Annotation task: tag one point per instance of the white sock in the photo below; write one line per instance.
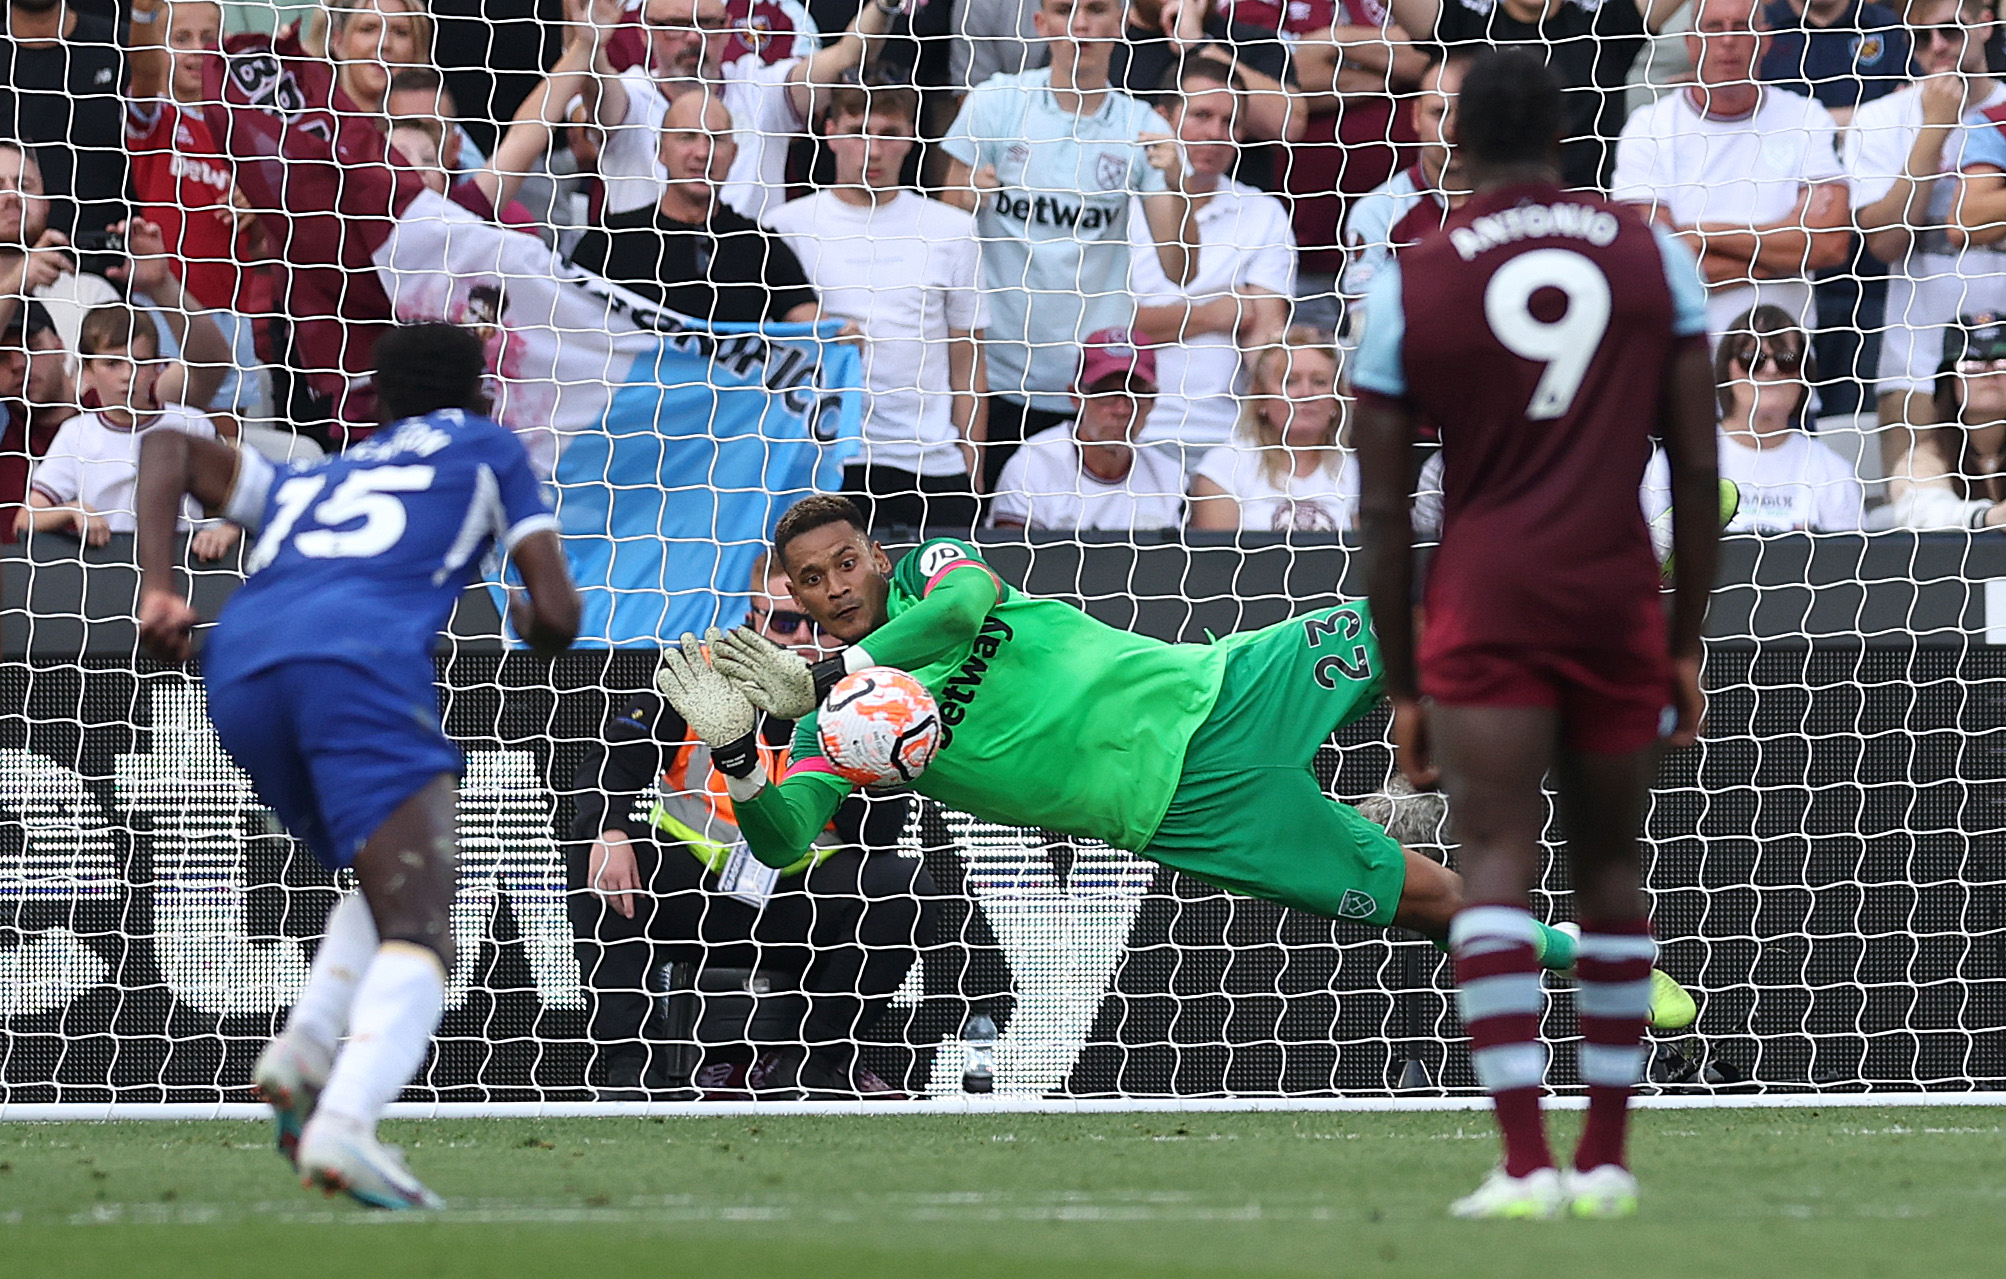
(321, 1015)
(390, 1025)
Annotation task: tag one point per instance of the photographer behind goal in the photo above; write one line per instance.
(664, 876)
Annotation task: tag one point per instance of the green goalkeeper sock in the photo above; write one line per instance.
(1555, 949)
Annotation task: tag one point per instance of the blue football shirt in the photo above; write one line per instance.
(361, 556)
(1863, 56)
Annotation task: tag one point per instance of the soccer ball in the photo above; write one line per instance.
(879, 727)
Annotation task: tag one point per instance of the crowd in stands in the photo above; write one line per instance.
(1101, 257)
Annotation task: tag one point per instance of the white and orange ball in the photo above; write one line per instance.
(879, 727)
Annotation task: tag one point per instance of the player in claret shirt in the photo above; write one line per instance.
(320, 684)
(1193, 755)
(1550, 337)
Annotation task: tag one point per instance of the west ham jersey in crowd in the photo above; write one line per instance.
(363, 555)
(1536, 330)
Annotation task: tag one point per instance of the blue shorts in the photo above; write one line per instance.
(333, 747)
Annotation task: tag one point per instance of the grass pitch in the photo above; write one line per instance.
(1834, 1192)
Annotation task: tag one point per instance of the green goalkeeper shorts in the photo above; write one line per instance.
(1248, 813)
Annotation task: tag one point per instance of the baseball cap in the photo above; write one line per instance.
(1978, 336)
(1110, 352)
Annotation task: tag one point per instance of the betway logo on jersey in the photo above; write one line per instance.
(198, 171)
(1534, 222)
(961, 687)
(1046, 211)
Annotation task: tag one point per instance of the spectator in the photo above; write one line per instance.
(1088, 473)
(61, 76)
(1417, 200)
(1239, 299)
(36, 397)
(1743, 172)
(417, 143)
(421, 93)
(1589, 45)
(769, 102)
(992, 38)
(1287, 469)
(691, 252)
(574, 172)
(1927, 492)
(370, 41)
(1903, 153)
(903, 269)
(1355, 64)
(1844, 53)
(672, 879)
(771, 30)
(201, 354)
(1971, 397)
(35, 259)
(1164, 34)
(84, 484)
(1763, 375)
(1047, 161)
(438, 149)
(182, 183)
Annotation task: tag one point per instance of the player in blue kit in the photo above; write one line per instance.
(320, 684)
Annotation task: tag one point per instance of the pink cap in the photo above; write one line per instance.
(1117, 351)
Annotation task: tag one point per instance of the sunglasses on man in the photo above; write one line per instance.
(785, 621)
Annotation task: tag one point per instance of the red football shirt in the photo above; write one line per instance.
(1539, 328)
(182, 183)
(1342, 154)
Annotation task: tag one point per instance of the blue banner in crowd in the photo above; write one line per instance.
(674, 444)
(712, 434)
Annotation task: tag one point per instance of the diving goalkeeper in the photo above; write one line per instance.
(1196, 756)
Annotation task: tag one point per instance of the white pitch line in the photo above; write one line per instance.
(52, 1112)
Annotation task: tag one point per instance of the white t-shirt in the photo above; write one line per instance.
(763, 122)
(1323, 502)
(1935, 283)
(1055, 231)
(906, 273)
(1044, 486)
(1748, 171)
(1245, 239)
(97, 464)
(1797, 485)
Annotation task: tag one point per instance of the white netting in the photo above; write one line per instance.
(1824, 870)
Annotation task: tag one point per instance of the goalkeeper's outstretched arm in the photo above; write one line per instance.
(781, 819)
(949, 617)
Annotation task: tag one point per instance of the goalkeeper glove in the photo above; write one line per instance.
(715, 710)
(778, 681)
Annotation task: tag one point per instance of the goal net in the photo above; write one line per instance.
(686, 362)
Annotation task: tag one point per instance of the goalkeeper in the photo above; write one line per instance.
(1194, 756)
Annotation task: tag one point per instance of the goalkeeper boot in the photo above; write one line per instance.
(1672, 1005)
(339, 1153)
(1601, 1193)
(1537, 1196)
(288, 1077)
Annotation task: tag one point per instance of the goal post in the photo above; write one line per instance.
(1825, 868)
(1820, 870)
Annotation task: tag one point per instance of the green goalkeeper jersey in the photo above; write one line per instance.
(1049, 718)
